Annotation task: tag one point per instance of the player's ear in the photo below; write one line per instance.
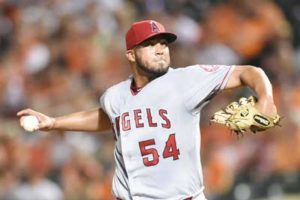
(130, 55)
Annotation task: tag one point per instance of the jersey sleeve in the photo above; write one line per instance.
(203, 82)
(103, 101)
(105, 104)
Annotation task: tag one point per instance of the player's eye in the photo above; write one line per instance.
(146, 43)
(164, 42)
(153, 42)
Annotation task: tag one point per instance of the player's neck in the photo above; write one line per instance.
(140, 81)
(140, 78)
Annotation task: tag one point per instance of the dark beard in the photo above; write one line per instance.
(150, 72)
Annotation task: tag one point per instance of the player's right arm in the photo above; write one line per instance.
(90, 121)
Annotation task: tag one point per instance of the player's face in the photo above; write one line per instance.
(153, 57)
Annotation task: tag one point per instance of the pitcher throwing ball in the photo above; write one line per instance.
(155, 116)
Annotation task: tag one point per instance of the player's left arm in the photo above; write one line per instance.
(256, 79)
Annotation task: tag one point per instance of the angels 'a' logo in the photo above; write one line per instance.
(154, 27)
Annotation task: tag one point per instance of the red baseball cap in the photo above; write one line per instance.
(143, 30)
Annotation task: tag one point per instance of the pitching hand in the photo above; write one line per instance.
(46, 123)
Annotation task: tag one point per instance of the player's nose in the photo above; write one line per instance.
(159, 48)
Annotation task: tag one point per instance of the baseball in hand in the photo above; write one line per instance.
(30, 123)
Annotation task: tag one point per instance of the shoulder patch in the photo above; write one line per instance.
(209, 68)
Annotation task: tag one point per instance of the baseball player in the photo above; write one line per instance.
(155, 116)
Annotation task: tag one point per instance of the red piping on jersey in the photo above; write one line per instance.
(225, 77)
(134, 89)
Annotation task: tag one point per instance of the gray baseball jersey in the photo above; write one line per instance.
(157, 132)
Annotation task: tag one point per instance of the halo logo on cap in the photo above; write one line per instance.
(154, 27)
(143, 30)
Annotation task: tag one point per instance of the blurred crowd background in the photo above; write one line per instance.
(59, 56)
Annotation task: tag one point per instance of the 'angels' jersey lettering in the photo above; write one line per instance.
(157, 132)
(139, 118)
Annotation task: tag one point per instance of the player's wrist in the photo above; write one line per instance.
(266, 105)
(53, 123)
(267, 98)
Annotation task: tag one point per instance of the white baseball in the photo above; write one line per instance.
(30, 123)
